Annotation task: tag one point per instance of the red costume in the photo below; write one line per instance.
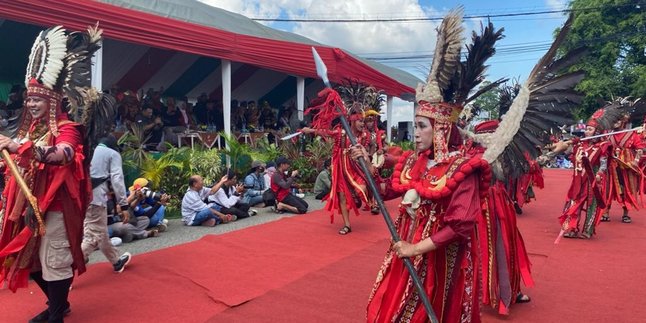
(504, 260)
(625, 179)
(347, 177)
(42, 239)
(586, 193)
(446, 189)
(450, 206)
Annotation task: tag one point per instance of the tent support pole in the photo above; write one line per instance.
(226, 100)
(300, 96)
(389, 118)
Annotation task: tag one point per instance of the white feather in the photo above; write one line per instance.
(54, 50)
(508, 127)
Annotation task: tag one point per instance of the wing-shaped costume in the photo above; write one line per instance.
(543, 103)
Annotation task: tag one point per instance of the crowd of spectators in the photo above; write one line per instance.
(163, 118)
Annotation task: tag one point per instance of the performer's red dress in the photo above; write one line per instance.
(450, 206)
(584, 193)
(63, 188)
(624, 180)
(347, 177)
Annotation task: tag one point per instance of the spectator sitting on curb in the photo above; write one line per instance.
(152, 208)
(195, 212)
(229, 198)
(254, 184)
(323, 181)
(281, 185)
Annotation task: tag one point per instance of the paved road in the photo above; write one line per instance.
(178, 233)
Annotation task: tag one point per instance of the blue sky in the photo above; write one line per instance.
(526, 37)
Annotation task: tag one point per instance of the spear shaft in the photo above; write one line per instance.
(321, 70)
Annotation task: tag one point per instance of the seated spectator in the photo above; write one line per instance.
(229, 198)
(195, 212)
(281, 184)
(254, 184)
(172, 120)
(187, 119)
(209, 115)
(323, 181)
(127, 227)
(151, 126)
(267, 117)
(128, 110)
(148, 206)
(269, 172)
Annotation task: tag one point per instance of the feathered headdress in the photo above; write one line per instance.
(542, 104)
(59, 67)
(633, 110)
(352, 97)
(364, 97)
(450, 80)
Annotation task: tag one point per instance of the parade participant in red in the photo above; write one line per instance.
(375, 140)
(624, 175)
(348, 189)
(504, 259)
(441, 204)
(49, 150)
(587, 191)
(436, 223)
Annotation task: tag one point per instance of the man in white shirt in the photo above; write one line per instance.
(229, 198)
(195, 212)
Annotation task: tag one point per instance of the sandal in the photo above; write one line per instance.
(605, 218)
(345, 230)
(570, 234)
(522, 298)
(626, 219)
(374, 210)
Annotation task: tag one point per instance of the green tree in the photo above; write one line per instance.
(488, 101)
(614, 31)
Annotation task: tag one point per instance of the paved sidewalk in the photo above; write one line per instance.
(178, 233)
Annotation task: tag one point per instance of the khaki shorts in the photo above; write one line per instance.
(54, 252)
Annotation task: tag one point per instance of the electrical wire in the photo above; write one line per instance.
(466, 17)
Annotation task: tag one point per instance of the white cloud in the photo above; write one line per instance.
(556, 4)
(360, 38)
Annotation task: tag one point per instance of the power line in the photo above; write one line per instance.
(470, 17)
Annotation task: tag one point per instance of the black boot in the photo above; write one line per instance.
(58, 304)
(38, 279)
(44, 286)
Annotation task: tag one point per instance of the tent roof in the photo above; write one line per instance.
(196, 28)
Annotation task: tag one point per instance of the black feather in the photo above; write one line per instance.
(473, 68)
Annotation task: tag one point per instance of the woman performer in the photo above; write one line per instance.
(348, 189)
(504, 259)
(587, 190)
(624, 175)
(442, 203)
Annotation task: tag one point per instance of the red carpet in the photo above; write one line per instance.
(300, 270)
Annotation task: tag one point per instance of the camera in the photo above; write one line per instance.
(148, 193)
